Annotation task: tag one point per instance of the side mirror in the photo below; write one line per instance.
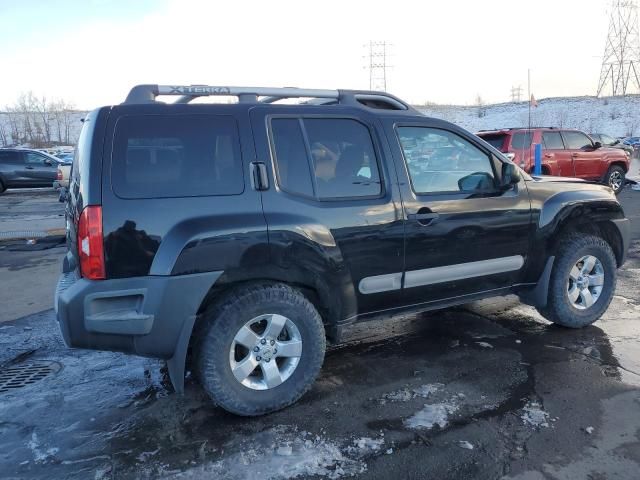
(597, 145)
(510, 175)
(48, 162)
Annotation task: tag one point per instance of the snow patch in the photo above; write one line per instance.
(484, 345)
(432, 415)
(534, 415)
(466, 445)
(281, 453)
(369, 444)
(40, 455)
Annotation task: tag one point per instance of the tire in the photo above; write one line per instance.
(267, 305)
(615, 178)
(561, 309)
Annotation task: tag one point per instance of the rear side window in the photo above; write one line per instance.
(552, 141)
(10, 157)
(495, 140)
(576, 140)
(521, 140)
(325, 158)
(156, 156)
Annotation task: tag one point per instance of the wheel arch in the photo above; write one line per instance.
(619, 163)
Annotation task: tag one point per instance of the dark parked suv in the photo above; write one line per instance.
(23, 168)
(237, 239)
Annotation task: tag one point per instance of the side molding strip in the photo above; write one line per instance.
(461, 271)
(381, 283)
(447, 273)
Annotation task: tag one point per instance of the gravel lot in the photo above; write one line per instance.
(486, 391)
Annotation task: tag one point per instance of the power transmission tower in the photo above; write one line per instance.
(621, 61)
(378, 55)
(516, 93)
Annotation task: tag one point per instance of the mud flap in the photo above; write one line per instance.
(537, 296)
(176, 364)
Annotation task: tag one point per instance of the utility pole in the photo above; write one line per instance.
(621, 60)
(516, 93)
(377, 65)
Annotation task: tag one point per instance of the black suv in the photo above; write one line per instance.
(237, 239)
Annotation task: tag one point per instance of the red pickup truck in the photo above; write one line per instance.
(565, 152)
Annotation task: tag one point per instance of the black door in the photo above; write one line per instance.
(464, 234)
(333, 210)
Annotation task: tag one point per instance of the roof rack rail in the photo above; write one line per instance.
(516, 128)
(186, 93)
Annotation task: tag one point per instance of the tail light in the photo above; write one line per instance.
(90, 246)
(59, 175)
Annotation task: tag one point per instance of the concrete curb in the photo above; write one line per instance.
(31, 234)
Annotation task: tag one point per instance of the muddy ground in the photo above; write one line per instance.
(490, 390)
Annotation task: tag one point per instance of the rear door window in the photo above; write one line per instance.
(325, 158)
(552, 141)
(521, 140)
(35, 159)
(576, 140)
(156, 156)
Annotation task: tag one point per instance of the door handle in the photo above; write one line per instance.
(29, 168)
(574, 155)
(424, 218)
(259, 178)
(548, 155)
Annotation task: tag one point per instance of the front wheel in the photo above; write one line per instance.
(260, 349)
(583, 281)
(615, 178)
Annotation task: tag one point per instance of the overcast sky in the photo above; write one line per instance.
(91, 52)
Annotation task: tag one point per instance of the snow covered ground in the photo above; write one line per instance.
(616, 116)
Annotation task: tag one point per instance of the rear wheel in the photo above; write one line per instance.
(615, 178)
(260, 349)
(582, 282)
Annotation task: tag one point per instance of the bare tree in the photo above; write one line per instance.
(36, 121)
(3, 134)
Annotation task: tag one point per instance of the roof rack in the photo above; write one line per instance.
(514, 128)
(186, 93)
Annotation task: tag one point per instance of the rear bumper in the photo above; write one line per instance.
(141, 315)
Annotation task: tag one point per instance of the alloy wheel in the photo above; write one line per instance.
(265, 351)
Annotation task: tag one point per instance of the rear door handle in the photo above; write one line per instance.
(29, 168)
(259, 178)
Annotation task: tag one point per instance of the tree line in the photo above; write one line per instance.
(39, 122)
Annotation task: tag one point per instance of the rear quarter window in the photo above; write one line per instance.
(496, 140)
(159, 156)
